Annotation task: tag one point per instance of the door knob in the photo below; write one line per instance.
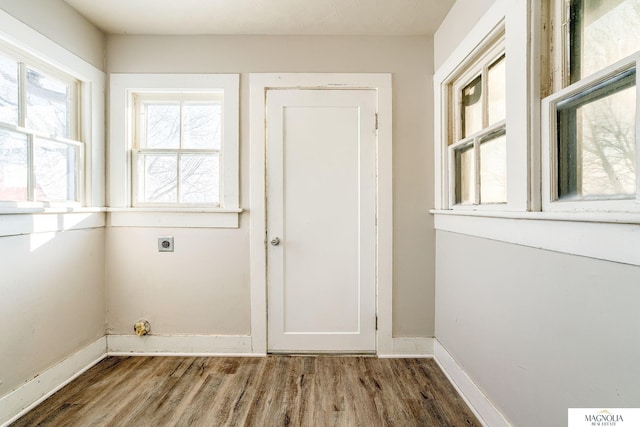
(275, 241)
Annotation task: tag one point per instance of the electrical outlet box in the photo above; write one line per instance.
(165, 244)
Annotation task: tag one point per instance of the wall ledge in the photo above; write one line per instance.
(600, 240)
(26, 397)
(49, 222)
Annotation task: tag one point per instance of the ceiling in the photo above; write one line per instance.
(287, 17)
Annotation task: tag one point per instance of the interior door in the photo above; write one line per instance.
(321, 213)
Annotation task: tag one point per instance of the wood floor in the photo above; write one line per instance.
(270, 391)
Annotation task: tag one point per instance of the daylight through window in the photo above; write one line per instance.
(595, 118)
(478, 147)
(178, 149)
(40, 154)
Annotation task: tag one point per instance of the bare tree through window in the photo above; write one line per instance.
(179, 149)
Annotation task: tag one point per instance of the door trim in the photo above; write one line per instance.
(259, 84)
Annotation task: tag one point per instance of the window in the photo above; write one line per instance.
(478, 143)
(174, 155)
(177, 149)
(591, 152)
(572, 99)
(41, 156)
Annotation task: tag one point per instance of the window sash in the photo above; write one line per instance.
(566, 17)
(143, 99)
(473, 142)
(586, 90)
(570, 144)
(480, 68)
(138, 172)
(74, 182)
(72, 98)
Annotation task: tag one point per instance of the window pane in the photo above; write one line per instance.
(8, 90)
(202, 125)
(493, 170)
(159, 180)
(48, 108)
(472, 107)
(496, 88)
(199, 179)
(465, 181)
(163, 125)
(13, 166)
(55, 166)
(601, 33)
(597, 146)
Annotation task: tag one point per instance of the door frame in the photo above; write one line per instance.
(259, 84)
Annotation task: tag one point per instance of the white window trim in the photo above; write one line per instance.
(26, 219)
(512, 18)
(122, 88)
(549, 146)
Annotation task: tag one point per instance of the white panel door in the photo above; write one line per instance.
(321, 211)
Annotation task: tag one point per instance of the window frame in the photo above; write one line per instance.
(510, 19)
(491, 53)
(140, 137)
(122, 133)
(78, 99)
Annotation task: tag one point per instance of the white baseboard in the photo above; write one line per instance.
(23, 399)
(180, 345)
(410, 347)
(481, 406)
(30, 394)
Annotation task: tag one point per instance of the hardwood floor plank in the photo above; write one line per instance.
(271, 391)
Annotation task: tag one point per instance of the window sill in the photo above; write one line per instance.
(174, 217)
(49, 210)
(602, 217)
(606, 236)
(18, 221)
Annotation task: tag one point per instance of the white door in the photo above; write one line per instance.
(321, 213)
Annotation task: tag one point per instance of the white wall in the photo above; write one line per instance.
(202, 288)
(462, 16)
(539, 331)
(51, 283)
(62, 24)
(52, 302)
(408, 58)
